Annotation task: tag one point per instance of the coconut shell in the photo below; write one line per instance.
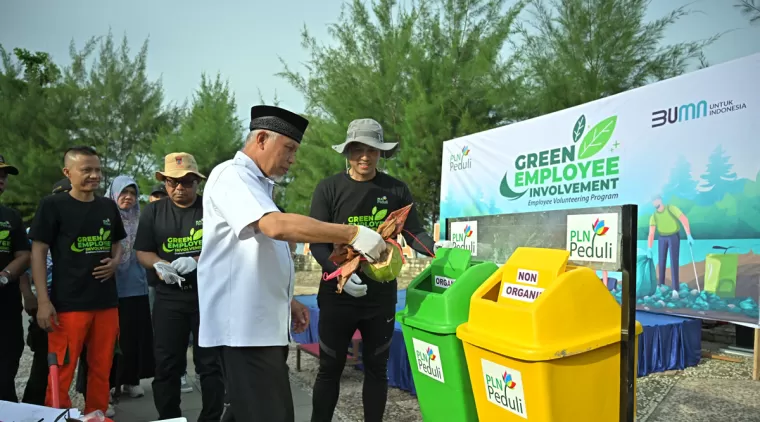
(348, 259)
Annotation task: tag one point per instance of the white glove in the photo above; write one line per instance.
(184, 265)
(354, 286)
(167, 273)
(446, 244)
(369, 243)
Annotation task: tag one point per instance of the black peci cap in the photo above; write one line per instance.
(278, 120)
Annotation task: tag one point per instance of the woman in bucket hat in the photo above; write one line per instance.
(360, 195)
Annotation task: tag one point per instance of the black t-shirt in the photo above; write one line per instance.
(340, 199)
(79, 235)
(172, 232)
(12, 239)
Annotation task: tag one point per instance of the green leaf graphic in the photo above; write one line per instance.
(4, 234)
(198, 234)
(374, 210)
(380, 214)
(191, 232)
(101, 231)
(579, 127)
(106, 234)
(597, 138)
(507, 192)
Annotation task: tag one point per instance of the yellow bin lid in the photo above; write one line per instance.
(536, 307)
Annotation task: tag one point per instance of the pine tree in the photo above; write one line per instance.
(427, 73)
(208, 129)
(719, 176)
(680, 184)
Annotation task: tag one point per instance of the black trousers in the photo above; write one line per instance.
(173, 321)
(258, 384)
(36, 385)
(337, 324)
(136, 360)
(12, 335)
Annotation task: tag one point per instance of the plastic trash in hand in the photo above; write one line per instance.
(168, 274)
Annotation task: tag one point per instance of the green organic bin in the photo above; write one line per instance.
(437, 302)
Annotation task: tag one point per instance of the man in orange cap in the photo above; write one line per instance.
(168, 244)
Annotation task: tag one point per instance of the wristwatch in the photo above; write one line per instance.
(5, 271)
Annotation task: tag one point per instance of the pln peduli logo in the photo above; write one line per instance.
(588, 166)
(593, 237)
(504, 387)
(460, 160)
(428, 359)
(464, 234)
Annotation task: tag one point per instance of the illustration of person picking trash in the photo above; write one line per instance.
(667, 221)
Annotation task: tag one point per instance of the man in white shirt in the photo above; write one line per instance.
(245, 272)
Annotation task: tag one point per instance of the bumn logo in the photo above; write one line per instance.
(527, 276)
(428, 359)
(504, 387)
(593, 237)
(677, 114)
(464, 234)
(692, 111)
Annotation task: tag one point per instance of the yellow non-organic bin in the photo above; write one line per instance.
(542, 342)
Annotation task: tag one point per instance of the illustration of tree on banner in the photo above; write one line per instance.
(719, 178)
(680, 184)
(577, 51)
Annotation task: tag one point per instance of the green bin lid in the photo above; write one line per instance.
(438, 299)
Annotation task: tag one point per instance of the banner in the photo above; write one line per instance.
(686, 150)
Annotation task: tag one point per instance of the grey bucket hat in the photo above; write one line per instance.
(367, 132)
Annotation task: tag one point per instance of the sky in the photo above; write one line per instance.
(244, 40)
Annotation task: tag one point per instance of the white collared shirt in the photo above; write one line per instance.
(245, 279)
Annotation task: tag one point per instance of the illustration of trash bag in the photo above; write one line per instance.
(646, 278)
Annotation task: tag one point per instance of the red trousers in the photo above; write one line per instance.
(98, 330)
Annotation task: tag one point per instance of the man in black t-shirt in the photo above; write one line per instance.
(14, 259)
(168, 244)
(83, 233)
(360, 196)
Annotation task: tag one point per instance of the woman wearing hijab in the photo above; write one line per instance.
(136, 333)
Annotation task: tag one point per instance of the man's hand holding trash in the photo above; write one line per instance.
(373, 243)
